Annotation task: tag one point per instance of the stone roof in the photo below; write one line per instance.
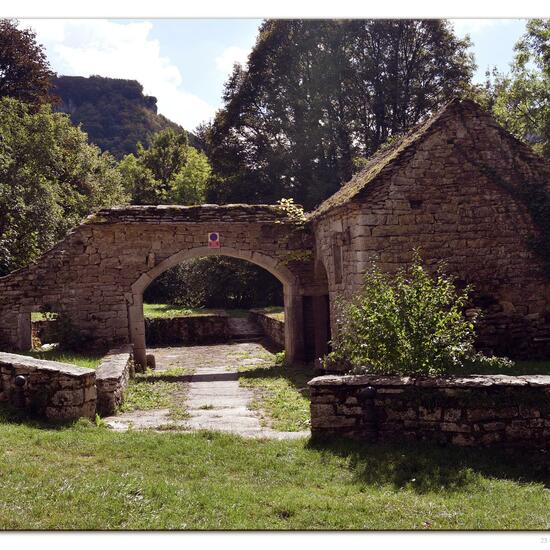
(204, 213)
(388, 159)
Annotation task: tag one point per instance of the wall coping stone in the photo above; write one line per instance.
(113, 364)
(43, 364)
(482, 380)
(203, 213)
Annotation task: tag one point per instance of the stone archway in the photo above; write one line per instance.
(292, 300)
(95, 277)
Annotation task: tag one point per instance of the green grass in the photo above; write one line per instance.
(87, 477)
(158, 390)
(89, 361)
(281, 393)
(521, 367)
(168, 311)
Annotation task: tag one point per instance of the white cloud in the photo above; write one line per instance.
(120, 50)
(230, 56)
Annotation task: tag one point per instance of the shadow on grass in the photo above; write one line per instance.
(427, 467)
(298, 375)
(10, 415)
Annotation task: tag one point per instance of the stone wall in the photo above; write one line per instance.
(436, 198)
(196, 329)
(47, 389)
(112, 377)
(46, 331)
(273, 328)
(96, 276)
(511, 411)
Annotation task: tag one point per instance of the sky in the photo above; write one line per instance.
(184, 63)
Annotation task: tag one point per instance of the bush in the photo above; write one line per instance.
(407, 324)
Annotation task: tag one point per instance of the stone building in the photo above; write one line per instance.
(459, 189)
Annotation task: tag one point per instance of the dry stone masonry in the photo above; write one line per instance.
(112, 377)
(273, 328)
(454, 189)
(192, 329)
(61, 392)
(47, 389)
(508, 411)
(434, 191)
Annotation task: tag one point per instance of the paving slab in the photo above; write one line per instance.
(215, 401)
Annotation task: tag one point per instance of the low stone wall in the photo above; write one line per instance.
(47, 389)
(112, 377)
(509, 411)
(273, 328)
(46, 331)
(199, 329)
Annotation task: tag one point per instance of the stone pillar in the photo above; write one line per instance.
(321, 325)
(24, 332)
(294, 326)
(137, 332)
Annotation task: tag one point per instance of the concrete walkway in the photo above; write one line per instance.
(215, 400)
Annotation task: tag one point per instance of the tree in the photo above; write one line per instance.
(25, 73)
(522, 102)
(318, 94)
(169, 171)
(50, 179)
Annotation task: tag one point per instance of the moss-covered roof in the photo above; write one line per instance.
(386, 160)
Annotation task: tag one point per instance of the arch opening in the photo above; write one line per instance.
(293, 305)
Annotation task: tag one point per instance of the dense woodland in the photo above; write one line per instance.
(315, 100)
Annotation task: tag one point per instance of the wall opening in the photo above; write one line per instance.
(293, 313)
(207, 300)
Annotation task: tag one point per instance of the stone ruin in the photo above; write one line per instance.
(455, 189)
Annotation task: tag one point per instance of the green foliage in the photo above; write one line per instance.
(25, 73)
(317, 94)
(407, 324)
(216, 282)
(520, 100)
(169, 171)
(523, 103)
(50, 179)
(294, 212)
(114, 112)
(86, 360)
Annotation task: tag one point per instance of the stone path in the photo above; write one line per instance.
(215, 400)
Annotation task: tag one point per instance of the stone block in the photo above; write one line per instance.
(318, 410)
(332, 422)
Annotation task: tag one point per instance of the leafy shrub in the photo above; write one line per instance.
(407, 324)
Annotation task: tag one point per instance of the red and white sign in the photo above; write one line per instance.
(214, 240)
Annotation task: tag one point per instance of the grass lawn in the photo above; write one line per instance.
(281, 393)
(522, 367)
(158, 390)
(88, 477)
(167, 311)
(87, 360)
(155, 311)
